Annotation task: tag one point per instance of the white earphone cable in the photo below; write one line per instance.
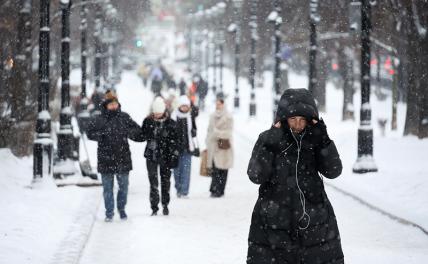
(301, 194)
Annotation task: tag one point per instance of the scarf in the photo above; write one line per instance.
(177, 114)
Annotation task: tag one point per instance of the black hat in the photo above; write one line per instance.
(296, 102)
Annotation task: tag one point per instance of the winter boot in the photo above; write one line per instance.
(123, 215)
(155, 212)
(108, 219)
(165, 210)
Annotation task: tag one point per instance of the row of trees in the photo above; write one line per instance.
(398, 31)
(19, 35)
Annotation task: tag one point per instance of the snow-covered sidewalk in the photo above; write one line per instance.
(49, 225)
(41, 224)
(205, 230)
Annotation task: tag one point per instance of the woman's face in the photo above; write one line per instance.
(297, 123)
(184, 108)
(158, 115)
(219, 105)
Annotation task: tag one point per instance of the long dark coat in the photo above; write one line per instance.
(280, 232)
(161, 141)
(112, 129)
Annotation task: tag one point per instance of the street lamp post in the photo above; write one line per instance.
(199, 40)
(313, 20)
(190, 39)
(276, 20)
(214, 12)
(221, 53)
(207, 56)
(221, 39)
(83, 115)
(42, 166)
(65, 133)
(365, 162)
(108, 43)
(215, 56)
(236, 30)
(253, 26)
(98, 47)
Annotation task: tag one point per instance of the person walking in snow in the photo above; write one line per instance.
(161, 152)
(293, 220)
(171, 101)
(202, 92)
(182, 86)
(156, 77)
(187, 144)
(219, 146)
(156, 85)
(111, 130)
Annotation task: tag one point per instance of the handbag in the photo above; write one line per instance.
(223, 143)
(204, 162)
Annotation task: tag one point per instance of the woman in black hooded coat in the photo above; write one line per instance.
(293, 220)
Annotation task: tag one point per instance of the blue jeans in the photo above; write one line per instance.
(182, 173)
(122, 194)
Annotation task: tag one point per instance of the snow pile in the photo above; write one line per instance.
(35, 218)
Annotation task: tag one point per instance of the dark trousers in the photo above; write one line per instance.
(218, 181)
(165, 177)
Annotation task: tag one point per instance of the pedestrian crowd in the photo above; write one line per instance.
(170, 133)
(293, 220)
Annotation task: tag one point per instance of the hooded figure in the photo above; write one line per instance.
(111, 130)
(293, 220)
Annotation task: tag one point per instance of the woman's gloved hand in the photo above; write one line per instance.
(272, 137)
(319, 133)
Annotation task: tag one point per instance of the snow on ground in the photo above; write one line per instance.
(48, 225)
(35, 221)
(204, 230)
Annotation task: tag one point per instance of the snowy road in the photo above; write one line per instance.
(214, 231)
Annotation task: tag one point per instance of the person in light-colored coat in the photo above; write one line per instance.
(220, 160)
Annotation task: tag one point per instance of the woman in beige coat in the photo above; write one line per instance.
(219, 147)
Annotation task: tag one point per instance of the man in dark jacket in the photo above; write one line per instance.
(112, 129)
(202, 91)
(161, 152)
(293, 220)
(156, 85)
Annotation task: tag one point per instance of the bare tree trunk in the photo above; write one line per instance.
(347, 72)
(417, 114)
(320, 92)
(423, 90)
(23, 128)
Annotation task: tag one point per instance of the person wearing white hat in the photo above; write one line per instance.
(171, 101)
(161, 152)
(187, 144)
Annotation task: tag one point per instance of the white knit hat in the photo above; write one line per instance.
(183, 100)
(158, 105)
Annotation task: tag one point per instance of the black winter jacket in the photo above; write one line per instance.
(112, 129)
(182, 131)
(279, 231)
(161, 141)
